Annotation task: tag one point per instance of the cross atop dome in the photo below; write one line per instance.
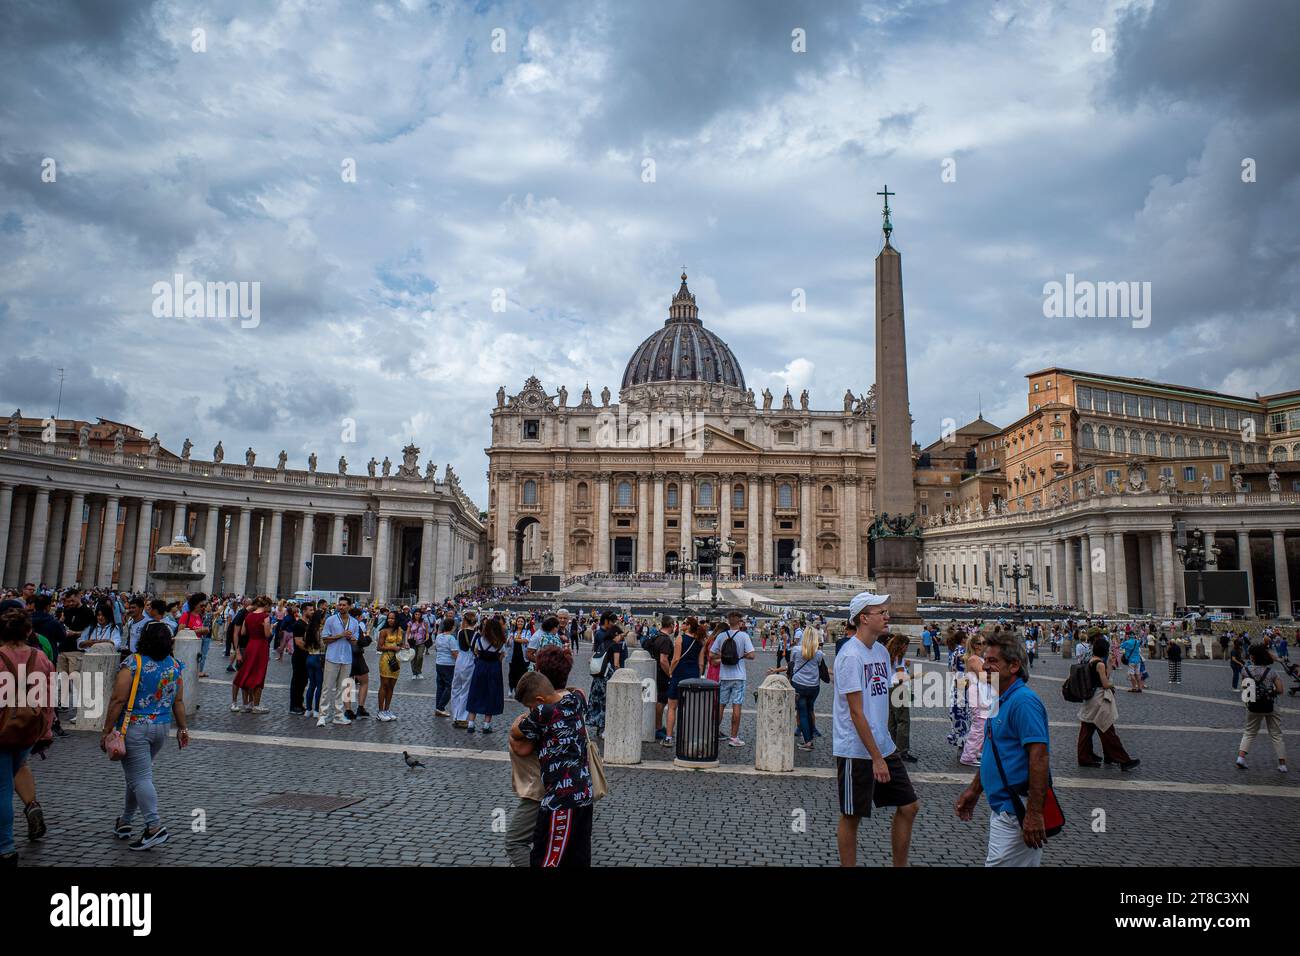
(683, 307)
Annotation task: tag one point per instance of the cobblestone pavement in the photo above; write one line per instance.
(1184, 806)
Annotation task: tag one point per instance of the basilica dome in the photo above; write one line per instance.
(683, 351)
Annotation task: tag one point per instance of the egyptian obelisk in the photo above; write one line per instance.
(896, 543)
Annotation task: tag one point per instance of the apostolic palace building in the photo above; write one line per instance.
(1084, 493)
(91, 503)
(687, 449)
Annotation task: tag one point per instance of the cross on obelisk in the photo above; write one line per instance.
(889, 226)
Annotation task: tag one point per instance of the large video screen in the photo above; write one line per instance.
(345, 573)
(1222, 588)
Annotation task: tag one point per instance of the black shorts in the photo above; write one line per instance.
(359, 666)
(562, 838)
(859, 789)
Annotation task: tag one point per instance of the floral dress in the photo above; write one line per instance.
(958, 705)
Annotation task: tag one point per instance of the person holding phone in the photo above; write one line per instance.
(145, 718)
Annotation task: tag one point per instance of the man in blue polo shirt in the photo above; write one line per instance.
(1018, 729)
(340, 634)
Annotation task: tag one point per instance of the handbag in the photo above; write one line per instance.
(596, 766)
(1053, 816)
(116, 744)
(597, 666)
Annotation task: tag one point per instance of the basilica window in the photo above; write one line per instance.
(706, 494)
(672, 496)
(583, 499)
(1103, 438)
(785, 436)
(530, 492)
(1085, 437)
(584, 434)
(828, 498)
(784, 496)
(623, 496)
(738, 497)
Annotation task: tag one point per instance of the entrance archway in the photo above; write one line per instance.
(528, 546)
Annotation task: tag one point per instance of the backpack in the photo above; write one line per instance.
(20, 726)
(1078, 686)
(1261, 702)
(730, 655)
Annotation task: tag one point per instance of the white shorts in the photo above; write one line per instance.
(1007, 845)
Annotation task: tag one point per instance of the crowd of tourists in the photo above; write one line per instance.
(481, 655)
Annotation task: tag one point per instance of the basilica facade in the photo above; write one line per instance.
(687, 450)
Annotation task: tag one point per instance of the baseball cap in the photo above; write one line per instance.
(864, 600)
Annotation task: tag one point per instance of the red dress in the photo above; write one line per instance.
(252, 664)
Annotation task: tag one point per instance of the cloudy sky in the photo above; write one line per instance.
(508, 146)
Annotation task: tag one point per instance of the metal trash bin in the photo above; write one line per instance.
(697, 723)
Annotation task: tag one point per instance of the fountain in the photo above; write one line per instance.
(178, 567)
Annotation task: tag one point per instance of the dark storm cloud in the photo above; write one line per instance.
(1242, 52)
(96, 25)
(31, 382)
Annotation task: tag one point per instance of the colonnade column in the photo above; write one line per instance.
(336, 533)
(657, 541)
(1167, 590)
(443, 573)
(210, 526)
(1119, 574)
(130, 528)
(239, 581)
(180, 522)
(6, 513)
(108, 543)
(93, 537)
(1087, 593)
(1280, 571)
(271, 560)
(50, 573)
(72, 553)
(36, 542)
(1244, 564)
(602, 522)
(380, 582)
(426, 562)
(306, 546)
(1147, 571)
(18, 533)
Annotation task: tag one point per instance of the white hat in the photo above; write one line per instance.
(865, 599)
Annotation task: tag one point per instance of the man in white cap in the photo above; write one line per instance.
(868, 768)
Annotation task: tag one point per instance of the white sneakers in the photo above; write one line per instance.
(735, 742)
(385, 716)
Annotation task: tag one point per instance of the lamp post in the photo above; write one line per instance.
(1195, 551)
(710, 548)
(1017, 573)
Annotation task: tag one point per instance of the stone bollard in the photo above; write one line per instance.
(623, 718)
(828, 651)
(643, 665)
(774, 746)
(185, 648)
(95, 679)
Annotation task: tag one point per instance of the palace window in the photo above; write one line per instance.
(1218, 416)
(784, 496)
(1279, 453)
(532, 429)
(1134, 443)
(1148, 407)
(530, 492)
(1180, 447)
(1117, 403)
(1249, 453)
(1236, 453)
(1218, 471)
(1234, 419)
(1176, 412)
(738, 497)
(1166, 447)
(1112, 476)
(1162, 410)
(1151, 444)
(672, 496)
(1203, 415)
(1277, 422)
(1083, 398)
(1189, 473)
(706, 494)
(1085, 437)
(623, 496)
(1131, 406)
(1194, 448)
(1103, 438)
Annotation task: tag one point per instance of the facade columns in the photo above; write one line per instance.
(1119, 576)
(36, 541)
(1280, 571)
(1245, 564)
(765, 542)
(72, 553)
(807, 527)
(306, 547)
(602, 523)
(687, 523)
(850, 543)
(108, 542)
(560, 522)
(271, 559)
(239, 583)
(426, 562)
(642, 522)
(657, 542)
(505, 489)
(724, 520)
(443, 573)
(753, 549)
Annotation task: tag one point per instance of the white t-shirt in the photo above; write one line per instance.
(868, 670)
(744, 646)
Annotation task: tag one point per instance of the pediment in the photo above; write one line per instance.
(715, 439)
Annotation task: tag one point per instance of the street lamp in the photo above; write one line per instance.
(1017, 573)
(710, 548)
(1195, 552)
